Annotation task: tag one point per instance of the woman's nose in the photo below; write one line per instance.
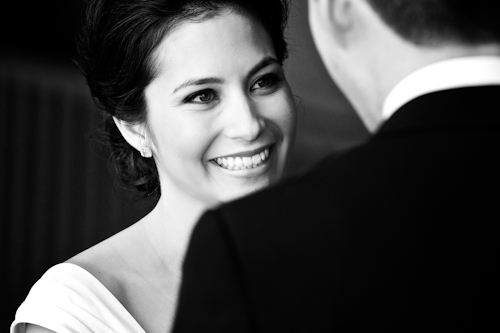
(244, 119)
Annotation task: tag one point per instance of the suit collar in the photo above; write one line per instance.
(447, 74)
(472, 108)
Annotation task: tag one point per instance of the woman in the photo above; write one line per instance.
(204, 113)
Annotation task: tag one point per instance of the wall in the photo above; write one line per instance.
(327, 121)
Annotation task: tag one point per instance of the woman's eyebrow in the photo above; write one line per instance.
(197, 82)
(267, 61)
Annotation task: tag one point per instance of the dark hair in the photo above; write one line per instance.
(115, 49)
(431, 22)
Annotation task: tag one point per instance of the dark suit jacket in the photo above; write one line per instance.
(399, 234)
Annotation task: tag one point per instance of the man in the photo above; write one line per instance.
(398, 234)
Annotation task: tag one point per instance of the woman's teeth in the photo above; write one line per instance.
(240, 163)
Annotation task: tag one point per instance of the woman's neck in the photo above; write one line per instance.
(169, 226)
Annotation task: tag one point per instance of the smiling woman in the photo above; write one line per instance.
(221, 95)
(196, 105)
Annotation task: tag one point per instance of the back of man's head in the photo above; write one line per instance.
(432, 22)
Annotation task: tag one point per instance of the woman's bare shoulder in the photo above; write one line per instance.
(108, 260)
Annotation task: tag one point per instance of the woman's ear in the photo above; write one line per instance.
(135, 135)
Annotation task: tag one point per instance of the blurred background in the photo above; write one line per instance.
(57, 196)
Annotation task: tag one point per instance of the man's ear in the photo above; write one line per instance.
(340, 12)
(337, 15)
(134, 134)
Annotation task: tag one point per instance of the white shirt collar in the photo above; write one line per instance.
(442, 75)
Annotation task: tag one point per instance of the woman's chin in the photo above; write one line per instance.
(242, 190)
(247, 191)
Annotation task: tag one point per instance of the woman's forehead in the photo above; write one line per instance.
(227, 41)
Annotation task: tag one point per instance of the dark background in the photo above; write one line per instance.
(56, 194)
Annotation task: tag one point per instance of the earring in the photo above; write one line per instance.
(146, 152)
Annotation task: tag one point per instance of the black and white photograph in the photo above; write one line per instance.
(250, 166)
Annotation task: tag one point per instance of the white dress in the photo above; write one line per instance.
(68, 299)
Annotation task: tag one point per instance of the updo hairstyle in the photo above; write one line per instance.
(115, 48)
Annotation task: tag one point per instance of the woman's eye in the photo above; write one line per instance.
(201, 97)
(265, 81)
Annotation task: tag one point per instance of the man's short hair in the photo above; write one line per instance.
(434, 22)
